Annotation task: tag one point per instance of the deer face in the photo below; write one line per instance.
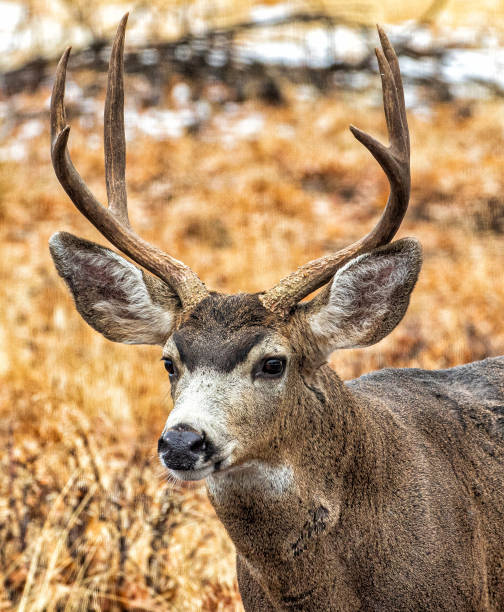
(236, 368)
(229, 365)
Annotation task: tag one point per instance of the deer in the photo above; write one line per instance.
(379, 493)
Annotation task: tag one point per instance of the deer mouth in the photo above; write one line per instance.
(192, 475)
(223, 465)
(213, 467)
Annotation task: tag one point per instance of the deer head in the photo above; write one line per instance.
(236, 363)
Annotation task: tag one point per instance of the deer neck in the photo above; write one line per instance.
(279, 505)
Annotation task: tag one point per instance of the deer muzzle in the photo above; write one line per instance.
(182, 448)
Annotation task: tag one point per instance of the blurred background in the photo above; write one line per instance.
(240, 163)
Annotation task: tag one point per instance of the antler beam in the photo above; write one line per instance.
(395, 161)
(113, 221)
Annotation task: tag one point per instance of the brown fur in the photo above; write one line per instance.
(395, 501)
(399, 500)
(221, 330)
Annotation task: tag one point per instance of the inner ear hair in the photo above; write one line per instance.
(116, 298)
(367, 297)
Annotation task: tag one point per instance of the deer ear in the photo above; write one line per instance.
(367, 297)
(115, 297)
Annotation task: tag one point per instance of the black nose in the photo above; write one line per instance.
(181, 447)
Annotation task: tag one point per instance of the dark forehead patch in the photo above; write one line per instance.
(221, 331)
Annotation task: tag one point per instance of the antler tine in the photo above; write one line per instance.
(58, 115)
(393, 63)
(113, 222)
(113, 130)
(394, 160)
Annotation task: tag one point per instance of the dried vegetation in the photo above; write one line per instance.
(87, 518)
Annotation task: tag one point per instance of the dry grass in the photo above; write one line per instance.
(87, 520)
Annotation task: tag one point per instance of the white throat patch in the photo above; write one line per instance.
(271, 481)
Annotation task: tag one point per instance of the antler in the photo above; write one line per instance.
(395, 162)
(113, 221)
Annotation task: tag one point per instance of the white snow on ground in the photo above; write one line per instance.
(236, 125)
(348, 45)
(422, 68)
(315, 47)
(11, 14)
(263, 12)
(161, 123)
(248, 126)
(15, 151)
(485, 65)
(279, 52)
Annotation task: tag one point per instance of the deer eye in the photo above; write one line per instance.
(273, 367)
(169, 366)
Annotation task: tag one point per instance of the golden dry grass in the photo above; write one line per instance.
(87, 520)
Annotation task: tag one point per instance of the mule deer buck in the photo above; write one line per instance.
(382, 493)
